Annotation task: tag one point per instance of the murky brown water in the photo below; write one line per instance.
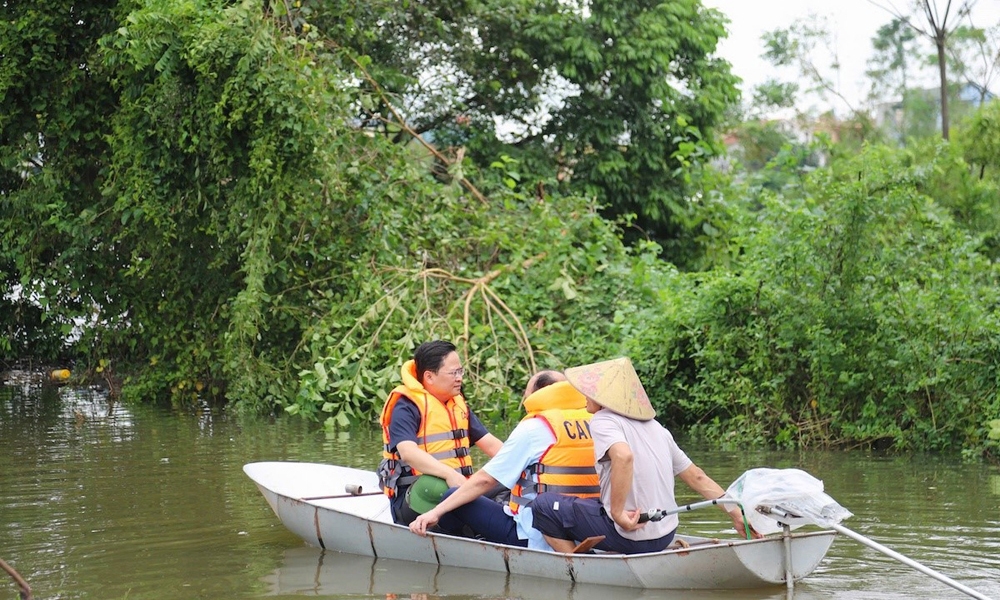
(103, 501)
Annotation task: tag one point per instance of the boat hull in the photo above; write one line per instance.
(311, 501)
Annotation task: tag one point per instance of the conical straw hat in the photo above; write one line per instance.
(614, 385)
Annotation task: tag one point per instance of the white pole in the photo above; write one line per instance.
(696, 505)
(907, 561)
(786, 533)
(655, 514)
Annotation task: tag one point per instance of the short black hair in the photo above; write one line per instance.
(430, 355)
(545, 379)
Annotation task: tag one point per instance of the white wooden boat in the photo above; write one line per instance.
(311, 500)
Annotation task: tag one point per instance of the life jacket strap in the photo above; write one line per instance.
(558, 470)
(454, 434)
(451, 453)
(406, 480)
(575, 490)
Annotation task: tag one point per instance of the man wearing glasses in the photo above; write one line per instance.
(427, 427)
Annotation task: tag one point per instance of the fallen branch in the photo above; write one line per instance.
(25, 589)
(492, 301)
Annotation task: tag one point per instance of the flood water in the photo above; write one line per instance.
(103, 501)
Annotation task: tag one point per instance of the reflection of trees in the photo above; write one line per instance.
(25, 409)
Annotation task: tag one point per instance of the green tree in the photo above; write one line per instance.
(937, 25)
(218, 220)
(981, 140)
(975, 59)
(894, 43)
(970, 187)
(164, 188)
(54, 106)
(810, 47)
(607, 99)
(842, 322)
(772, 95)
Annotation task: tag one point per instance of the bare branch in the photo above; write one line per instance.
(401, 122)
(24, 588)
(898, 14)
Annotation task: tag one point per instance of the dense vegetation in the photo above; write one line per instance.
(210, 201)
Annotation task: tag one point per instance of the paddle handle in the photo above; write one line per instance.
(341, 496)
(656, 514)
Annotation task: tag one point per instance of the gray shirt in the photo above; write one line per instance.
(656, 461)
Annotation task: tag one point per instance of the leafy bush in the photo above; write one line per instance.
(857, 315)
(516, 282)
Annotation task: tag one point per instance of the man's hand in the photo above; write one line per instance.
(421, 524)
(742, 526)
(628, 520)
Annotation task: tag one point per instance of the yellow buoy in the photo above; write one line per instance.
(59, 375)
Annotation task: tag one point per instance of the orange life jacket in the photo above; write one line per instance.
(567, 467)
(443, 432)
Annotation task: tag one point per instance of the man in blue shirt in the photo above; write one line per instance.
(530, 441)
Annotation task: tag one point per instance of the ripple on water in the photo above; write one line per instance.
(105, 501)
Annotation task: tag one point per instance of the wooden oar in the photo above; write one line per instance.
(25, 589)
(908, 561)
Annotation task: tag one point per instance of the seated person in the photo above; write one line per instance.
(427, 427)
(550, 449)
(637, 461)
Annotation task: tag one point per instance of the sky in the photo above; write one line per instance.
(854, 23)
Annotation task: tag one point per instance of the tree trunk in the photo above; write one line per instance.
(942, 69)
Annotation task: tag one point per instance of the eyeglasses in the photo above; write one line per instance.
(456, 373)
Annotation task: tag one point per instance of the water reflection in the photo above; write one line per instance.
(313, 572)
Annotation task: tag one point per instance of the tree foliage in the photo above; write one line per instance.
(859, 313)
(53, 105)
(600, 98)
(937, 22)
(974, 58)
(270, 204)
(809, 46)
(239, 225)
(980, 140)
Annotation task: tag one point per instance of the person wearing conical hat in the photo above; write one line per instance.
(637, 461)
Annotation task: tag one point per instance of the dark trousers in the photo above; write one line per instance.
(485, 518)
(401, 511)
(576, 519)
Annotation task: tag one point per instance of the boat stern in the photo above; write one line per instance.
(766, 558)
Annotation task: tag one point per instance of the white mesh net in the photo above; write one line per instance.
(791, 491)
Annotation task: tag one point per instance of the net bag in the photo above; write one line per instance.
(792, 491)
